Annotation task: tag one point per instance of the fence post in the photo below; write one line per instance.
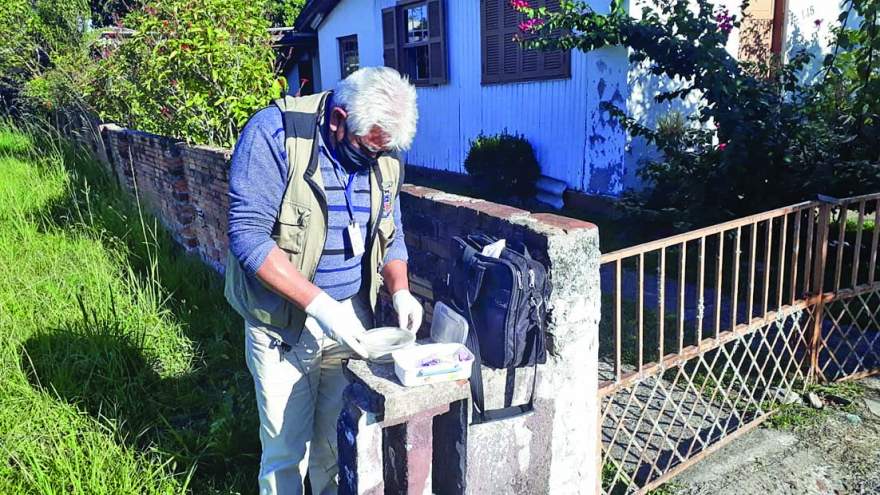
(817, 291)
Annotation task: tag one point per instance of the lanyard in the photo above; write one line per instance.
(347, 190)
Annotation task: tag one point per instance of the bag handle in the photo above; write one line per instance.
(477, 394)
(478, 397)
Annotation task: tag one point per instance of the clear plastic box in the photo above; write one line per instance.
(447, 326)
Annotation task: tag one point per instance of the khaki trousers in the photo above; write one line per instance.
(299, 397)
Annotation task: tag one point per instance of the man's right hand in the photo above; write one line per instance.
(338, 321)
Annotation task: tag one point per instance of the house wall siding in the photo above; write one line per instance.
(808, 26)
(575, 140)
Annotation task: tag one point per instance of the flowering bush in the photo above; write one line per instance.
(194, 69)
(504, 164)
(757, 139)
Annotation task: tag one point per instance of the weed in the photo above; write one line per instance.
(797, 416)
(120, 362)
(614, 479)
(665, 489)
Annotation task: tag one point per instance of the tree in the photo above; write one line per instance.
(284, 12)
(112, 12)
(758, 137)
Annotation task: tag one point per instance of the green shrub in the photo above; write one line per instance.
(504, 163)
(195, 70)
(33, 35)
(284, 12)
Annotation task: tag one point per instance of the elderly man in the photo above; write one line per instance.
(314, 219)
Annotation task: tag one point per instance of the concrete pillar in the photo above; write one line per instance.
(556, 448)
(360, 452)
(394, 439)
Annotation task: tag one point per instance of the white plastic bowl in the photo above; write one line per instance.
(381, 342)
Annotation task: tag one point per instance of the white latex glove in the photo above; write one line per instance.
(338, 321)
(409, 310)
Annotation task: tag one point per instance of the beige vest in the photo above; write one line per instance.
(301, 226)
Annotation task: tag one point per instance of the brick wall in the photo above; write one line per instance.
(206, 171)
(184, 186)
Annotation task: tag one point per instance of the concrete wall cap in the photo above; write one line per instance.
(402, 402)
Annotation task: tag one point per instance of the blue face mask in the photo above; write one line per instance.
(351, 156)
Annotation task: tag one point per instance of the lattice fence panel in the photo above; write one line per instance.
(664, 422)
(850, 341)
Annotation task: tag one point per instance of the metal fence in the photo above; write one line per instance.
(704, 334)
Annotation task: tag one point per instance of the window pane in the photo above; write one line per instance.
(348, 51)
(417, 63)
(417, 24)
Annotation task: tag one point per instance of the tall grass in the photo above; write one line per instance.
(120, 363)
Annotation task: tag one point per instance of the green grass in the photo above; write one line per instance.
(615, 481)
(121, 366)
(798, 416)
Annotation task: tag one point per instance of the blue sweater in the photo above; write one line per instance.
(257, 180)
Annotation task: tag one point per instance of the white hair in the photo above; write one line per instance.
(380, 97)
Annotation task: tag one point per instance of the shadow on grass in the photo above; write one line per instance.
(106, 374)
(206, 418)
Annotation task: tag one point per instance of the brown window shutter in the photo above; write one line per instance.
(510, 19)
(504, 58)
(490, 17)
(437, 42)
(389, 37)
(555, 63)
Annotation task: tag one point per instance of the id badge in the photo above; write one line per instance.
(353, 231)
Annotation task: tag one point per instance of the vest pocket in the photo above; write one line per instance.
(386, 236)
(293, 224)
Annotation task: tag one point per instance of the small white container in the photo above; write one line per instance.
(411, 371)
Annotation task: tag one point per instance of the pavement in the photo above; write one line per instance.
(840, 454)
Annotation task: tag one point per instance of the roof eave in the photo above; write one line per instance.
(313, 14)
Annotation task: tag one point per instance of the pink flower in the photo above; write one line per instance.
(724, 20)
(519, 4)
(531, 25)
(722, 146)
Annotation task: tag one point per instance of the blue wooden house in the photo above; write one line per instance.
(473, 77)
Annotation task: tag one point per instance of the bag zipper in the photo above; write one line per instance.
(514, 306)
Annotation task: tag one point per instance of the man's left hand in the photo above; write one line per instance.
(409, 310)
